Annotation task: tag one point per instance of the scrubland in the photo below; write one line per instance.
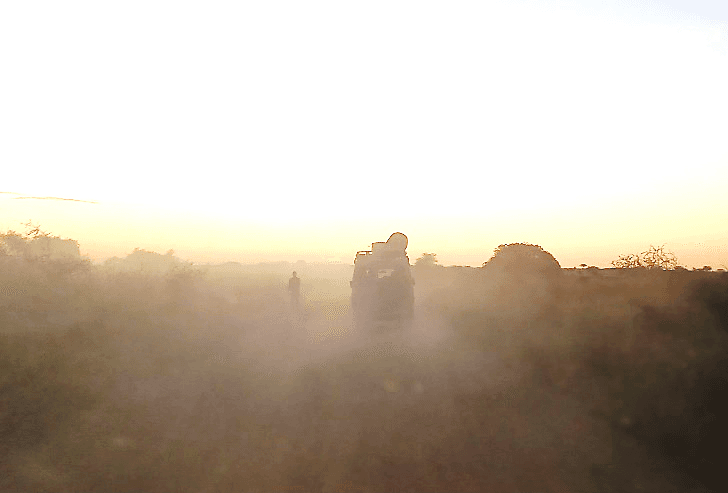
(203, 379)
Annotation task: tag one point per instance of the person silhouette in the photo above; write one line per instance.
(294, 290)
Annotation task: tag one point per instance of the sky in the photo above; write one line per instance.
(286, 130)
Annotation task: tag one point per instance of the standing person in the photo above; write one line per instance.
(294, 289)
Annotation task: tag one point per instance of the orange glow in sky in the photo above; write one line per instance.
(308, 130)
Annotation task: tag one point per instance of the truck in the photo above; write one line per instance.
(382, 288)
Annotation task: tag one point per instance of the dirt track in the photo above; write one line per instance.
(323, 410)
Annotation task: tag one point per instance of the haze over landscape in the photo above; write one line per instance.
(199, 153)
(304, 130)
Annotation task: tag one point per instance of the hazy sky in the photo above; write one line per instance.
(288, 129)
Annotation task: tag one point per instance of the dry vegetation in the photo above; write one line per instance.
(512, 378)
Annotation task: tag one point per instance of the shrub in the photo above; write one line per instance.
(522, 257)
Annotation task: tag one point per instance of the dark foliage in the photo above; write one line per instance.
(522, 257)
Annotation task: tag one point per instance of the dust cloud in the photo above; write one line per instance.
(151, 374)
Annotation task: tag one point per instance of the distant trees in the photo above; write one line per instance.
(426, 260)
(38, 244)
(630, 261)
(147, 262)
(11, 243)
(33, 231)
(654, 258)
(17, 244)
(658, 257)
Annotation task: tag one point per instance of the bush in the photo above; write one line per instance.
(524, 258)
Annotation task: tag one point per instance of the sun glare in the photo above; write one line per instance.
(293, 122)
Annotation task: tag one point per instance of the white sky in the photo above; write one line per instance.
(557, 122)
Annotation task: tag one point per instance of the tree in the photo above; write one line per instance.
(522, 257)
(630, 261)
(33, 231)
(426, 260)
(654, 258)
(17, 244)
(659, 258)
